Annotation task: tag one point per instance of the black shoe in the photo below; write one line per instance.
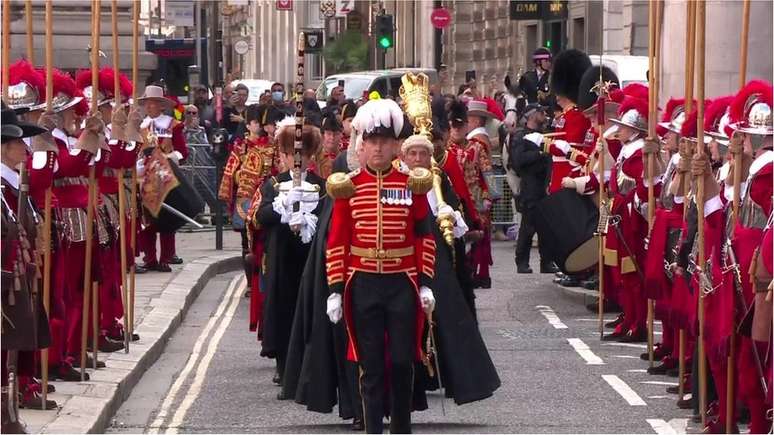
(483, 283)
(139, 269)
(685, 404)
(569, 281)
(660, 369)
(89, 363)
(147, 267)
(616, 322)
(67, 373)
(590, 284)
(247, 293)
(615, 336)
(558, 277)
(548, 268)
(175, 260)
(276, 379)
(106, 345)
(635, 337)
(357, 424)
(36, 402)
(523, 268)
(673, 372)
(163, 267)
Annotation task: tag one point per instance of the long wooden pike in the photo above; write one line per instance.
(689, 58)
(731, 366)
(30, 43)
(652, 113)
(701, 10)
(602, 198)
(6, 46)
(120, 176)
(47, 207)
(87, 284)
(133, 191)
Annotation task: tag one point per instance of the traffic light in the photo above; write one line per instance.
(385, 29)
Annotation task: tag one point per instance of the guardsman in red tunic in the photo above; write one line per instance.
(380, 261)
(571, 126)
(171, 140)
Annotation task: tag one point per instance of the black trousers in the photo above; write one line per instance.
(524, 240)
(385, 304)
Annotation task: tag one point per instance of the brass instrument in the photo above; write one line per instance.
(415, 93)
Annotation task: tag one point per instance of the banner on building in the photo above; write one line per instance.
(538, 10)
(313, 41)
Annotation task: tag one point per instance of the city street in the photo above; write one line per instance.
(556, 374)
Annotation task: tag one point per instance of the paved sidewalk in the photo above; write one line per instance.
(161, 302)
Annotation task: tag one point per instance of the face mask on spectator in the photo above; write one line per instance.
(277, 95)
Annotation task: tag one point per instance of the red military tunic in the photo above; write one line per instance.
(569, 149)
(377, 226)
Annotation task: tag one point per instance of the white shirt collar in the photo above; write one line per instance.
(64, 137)
(761, 161)
(9, 175)
(630, 148)
(161, 122)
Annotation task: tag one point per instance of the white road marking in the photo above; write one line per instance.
(584, 351)
(551, 316)
(192, 360)
(204, 365)
(634, 345)
(586, 319)
(659, 397)
(626, 356)
(668, 384)
(637, 371)
(674, 426)
(624, 390)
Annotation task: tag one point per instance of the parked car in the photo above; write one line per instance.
(358, 84)
(256, 87)
(629, 69)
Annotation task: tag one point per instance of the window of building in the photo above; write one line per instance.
(579, 34)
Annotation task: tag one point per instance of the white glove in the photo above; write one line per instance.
(535, 138)
(294, 195)
(460, 227)
(446, 209)
(568, 183)
(333, 308)
(427, 299)
(175, 156)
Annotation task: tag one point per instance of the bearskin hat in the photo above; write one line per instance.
(568, 69)
(458, 112)
(587, 95)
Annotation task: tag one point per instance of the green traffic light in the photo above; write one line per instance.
(548, 44)
(385, 42)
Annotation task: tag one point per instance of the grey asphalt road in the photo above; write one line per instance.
(220, 384)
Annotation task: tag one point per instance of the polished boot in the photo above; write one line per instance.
(661, 369)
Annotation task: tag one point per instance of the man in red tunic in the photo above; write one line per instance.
(380, 262)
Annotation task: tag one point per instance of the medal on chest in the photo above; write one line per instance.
(395, 196)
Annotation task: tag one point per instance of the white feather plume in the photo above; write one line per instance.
(378, 113)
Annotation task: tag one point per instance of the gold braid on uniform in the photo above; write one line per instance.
(420, 180)
(339, 186)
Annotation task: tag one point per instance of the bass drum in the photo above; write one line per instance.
(183, 198)
(565, 223)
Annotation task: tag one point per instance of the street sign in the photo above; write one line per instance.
(313, 41)
(241, 47)
(440, 18)
(328, 8)
(538, 10)
(284, 5)
(180, 12)
(354, 21)
(344, 7)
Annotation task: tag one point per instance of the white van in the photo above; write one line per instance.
(629, 69)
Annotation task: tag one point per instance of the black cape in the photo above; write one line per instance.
(285, 259)
(467, 371)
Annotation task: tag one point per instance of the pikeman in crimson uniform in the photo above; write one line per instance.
(112, 156)
(624, 251)
(380, 263)
(169, 137)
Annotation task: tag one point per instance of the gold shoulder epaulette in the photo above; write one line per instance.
(275, 183)
(420, 180)
(339, 186)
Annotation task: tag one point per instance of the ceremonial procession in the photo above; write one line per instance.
(333, 216)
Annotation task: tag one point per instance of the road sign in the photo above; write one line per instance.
(284, 5)
(440, 18)
(344, 7)
(241, 47)
(328, 8)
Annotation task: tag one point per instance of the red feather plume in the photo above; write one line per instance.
(636, 90)
(23, 71)
(715, 111)
(761, 88)
(671, 105)
(635, 103)
(616, 95)
(83, 78)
